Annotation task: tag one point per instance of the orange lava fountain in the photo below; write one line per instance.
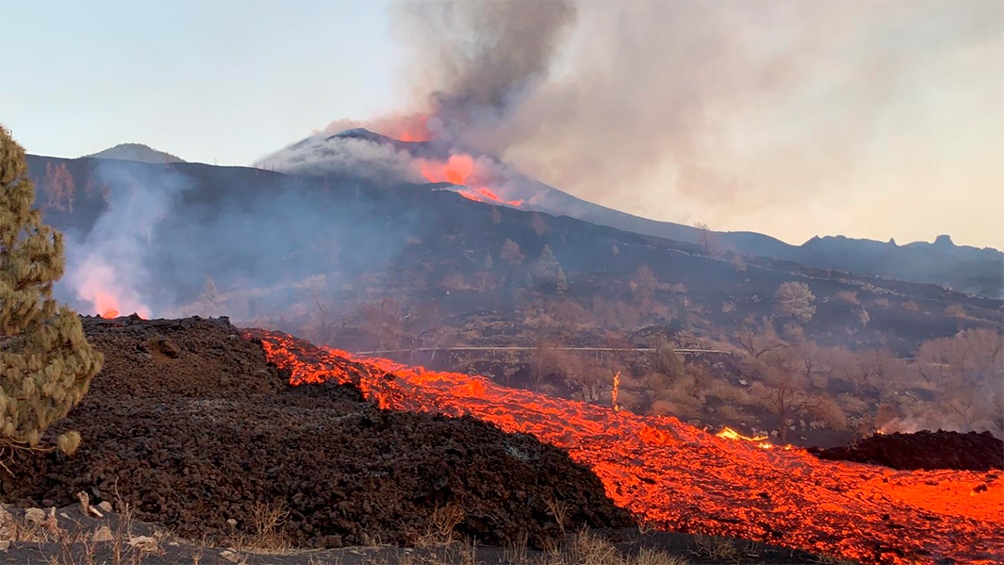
(678, 478)
(458, 170)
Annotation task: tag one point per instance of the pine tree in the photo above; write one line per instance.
(46, 364)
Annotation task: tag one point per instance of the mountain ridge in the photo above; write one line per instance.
(965, 268)
(136, 152)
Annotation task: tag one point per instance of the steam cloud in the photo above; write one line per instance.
(251, 245)
(106, 267)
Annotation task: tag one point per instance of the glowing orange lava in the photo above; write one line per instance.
(106, 304)
(678, 478)
(458, 170)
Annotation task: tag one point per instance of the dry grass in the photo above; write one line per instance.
(74, 543)
(440, 529)
(266, 534)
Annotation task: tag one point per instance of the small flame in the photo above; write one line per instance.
(729, 433)
(613, 395)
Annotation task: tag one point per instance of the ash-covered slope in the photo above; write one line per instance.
(967, 269)
(189, 425)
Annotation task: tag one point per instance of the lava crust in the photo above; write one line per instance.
(923, 450)
(191, 426)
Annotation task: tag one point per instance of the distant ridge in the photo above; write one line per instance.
(136, 152)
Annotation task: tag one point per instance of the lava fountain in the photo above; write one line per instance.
(677, 478)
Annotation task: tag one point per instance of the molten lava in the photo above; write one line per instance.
(457, 170)
(760, 441)
(678, 478)
(106, 304)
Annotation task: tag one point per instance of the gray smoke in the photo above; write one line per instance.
(106, 267)
(476, 61)
(723, 109)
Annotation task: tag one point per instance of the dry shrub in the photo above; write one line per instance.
(831, 414)
(727, 392)
(848, 297)
(266, 532)
(730, 413)
(716, 548)
(586, 548)
(441, 525)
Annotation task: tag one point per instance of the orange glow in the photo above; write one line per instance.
(408, 128)
(613, 395)
(679, 478)
(106, 304)
(458, 170)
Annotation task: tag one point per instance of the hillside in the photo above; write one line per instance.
(963, 268)
(423, 274)
(136, 152)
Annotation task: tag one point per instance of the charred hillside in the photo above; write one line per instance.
(265, 240)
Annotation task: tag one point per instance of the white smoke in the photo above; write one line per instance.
(105, 268)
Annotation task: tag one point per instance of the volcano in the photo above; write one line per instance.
(943, 263)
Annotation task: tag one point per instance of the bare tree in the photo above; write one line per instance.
(758, 339)
(787, 395)
(60, 188)
(967, 370)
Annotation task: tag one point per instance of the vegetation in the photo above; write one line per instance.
(46, 363)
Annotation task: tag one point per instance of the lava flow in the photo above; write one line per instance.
(457, 170)
(678, 478)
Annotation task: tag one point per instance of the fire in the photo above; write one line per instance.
(106, 304)
(729, 433)
(613, 394)
(458, 170)
(679, 478)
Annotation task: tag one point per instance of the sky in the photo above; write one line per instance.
(876, 120)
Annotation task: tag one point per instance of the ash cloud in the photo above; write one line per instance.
(475, 61)
(728, 110)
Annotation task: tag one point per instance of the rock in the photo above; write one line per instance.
(232, 523)
(105, 506)
(104, 533)
(145, 544)
(34, 516)
(167, 347)
(230, 556)
(6, 525)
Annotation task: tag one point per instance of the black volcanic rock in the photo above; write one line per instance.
(195, 439)
(923, 450)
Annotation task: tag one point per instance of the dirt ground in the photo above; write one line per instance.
(190, 427)
(68, 536)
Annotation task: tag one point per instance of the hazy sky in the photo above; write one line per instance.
(869, 120)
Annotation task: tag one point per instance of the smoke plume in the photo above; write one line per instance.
(106, 268)
(720, 112)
